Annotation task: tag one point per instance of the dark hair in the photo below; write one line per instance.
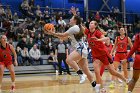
(79, 23)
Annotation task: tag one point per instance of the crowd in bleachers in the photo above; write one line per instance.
(26, 34)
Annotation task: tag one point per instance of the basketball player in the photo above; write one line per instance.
(75, 33)
(6, 60)
(121, 44)
(136, 65)
(100, 54)
(109, 46)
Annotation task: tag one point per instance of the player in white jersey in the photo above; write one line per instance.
(75, 33)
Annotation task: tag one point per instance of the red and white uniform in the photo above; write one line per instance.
(5, 55)
(136, 48)
(98, 48)
(121, 51)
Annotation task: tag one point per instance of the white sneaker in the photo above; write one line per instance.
(85, 75)
(82, 79)
(97, 88)
(56, 72)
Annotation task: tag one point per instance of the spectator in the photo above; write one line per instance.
(62, 52)
(22, 43)
(30, 13)
(53, 21)
(25, 56)
(15, 18)
(30, 43)
(38, 41)
(31, 4)
(61, 24)
(19, 57)
(2, 12)
(8, 12)
(97, 16)
(53, 60)
(7, 24)
(25, 7)
(39, 13)
(46, 17)
(35, 55)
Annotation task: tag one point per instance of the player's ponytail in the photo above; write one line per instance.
(79, 23)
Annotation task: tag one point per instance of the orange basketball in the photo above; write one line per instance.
(48, 27)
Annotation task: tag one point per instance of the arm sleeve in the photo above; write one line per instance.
(134, 48)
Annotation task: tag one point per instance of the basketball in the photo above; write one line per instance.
(48, 27)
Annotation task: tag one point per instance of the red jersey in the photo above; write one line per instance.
(5, 53)
(136, 46)
(122, 44)
(109, 47)
(97, 47)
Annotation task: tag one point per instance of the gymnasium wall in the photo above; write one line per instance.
(97, 4)
(131, 5)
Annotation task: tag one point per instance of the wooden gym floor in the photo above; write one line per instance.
(48, 83)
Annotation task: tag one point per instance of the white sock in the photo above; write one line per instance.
(97, 88)
(129, 92)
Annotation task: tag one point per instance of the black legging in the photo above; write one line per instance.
(62, 57)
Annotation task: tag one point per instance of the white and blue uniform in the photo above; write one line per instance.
(78, 45)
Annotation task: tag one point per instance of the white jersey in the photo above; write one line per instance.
(77, 45)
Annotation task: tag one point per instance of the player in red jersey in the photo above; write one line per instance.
(136, 65)
(109, 46)
(121, 44)
(6, 60)
(100, 54)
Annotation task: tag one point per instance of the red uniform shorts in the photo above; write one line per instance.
(6, 64)
(137, 62)
(120, 56)
(105, 59)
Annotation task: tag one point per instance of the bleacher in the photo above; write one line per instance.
(46, 68)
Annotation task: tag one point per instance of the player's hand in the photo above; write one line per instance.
(15, 63)
(124, 61)
(73, 10)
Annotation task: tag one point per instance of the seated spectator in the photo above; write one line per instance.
(22, 43)
(39, 13)
(30, 44)
(8, 12)
(19, 57)
(61, 24)
(35, 55)
(31, 4)
(30, 13)
(97, 16)
(2, 12)
(25, 56)
(39, 41)
(53, 21)
(53, 60)
(24, 7)
(15, 18)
